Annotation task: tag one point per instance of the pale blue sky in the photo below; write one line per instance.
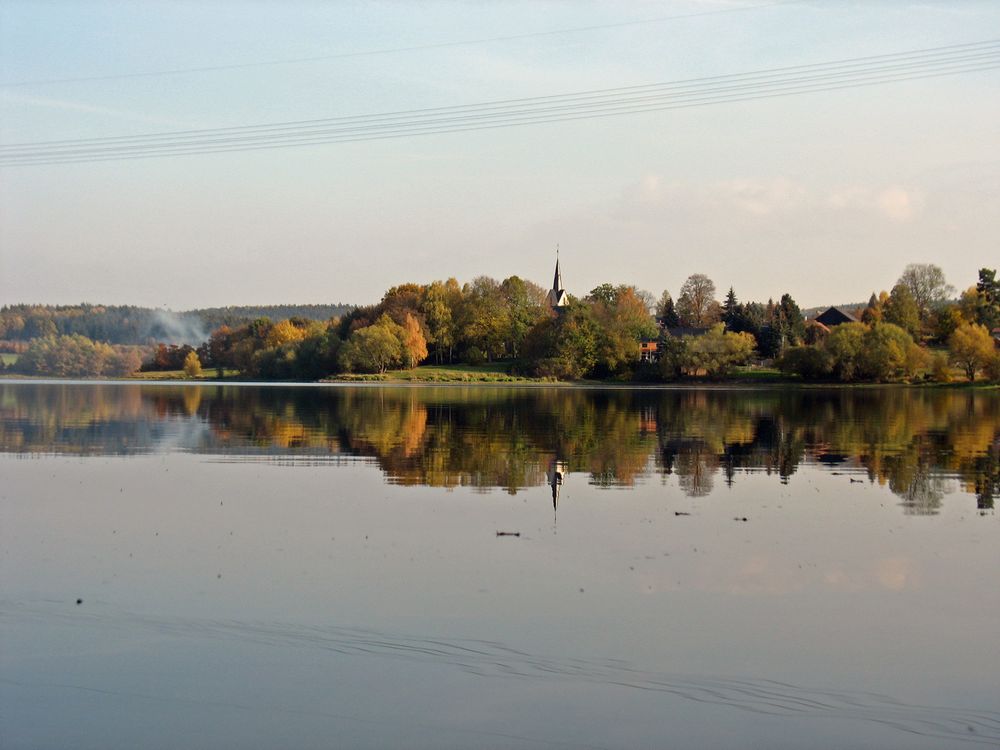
(825, 195)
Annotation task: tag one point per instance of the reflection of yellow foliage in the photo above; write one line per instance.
(508, 437)
(192, 399)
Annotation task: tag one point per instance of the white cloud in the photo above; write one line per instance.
(892, 202)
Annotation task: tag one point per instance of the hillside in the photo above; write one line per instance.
(129, 324)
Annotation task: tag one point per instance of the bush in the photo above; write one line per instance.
(809, 362)
(475, 356)
(993, 368)
(940, 368)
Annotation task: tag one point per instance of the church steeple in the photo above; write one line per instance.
(557, 295)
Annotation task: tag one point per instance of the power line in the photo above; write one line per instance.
(881, 69)
(392, 50)
(930, 54)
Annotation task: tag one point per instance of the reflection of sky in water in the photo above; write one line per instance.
(272, 569)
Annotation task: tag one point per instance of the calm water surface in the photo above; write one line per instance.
(316, 567)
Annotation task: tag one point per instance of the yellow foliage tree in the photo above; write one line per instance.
(285, 332)
(971, 347)
(192, 365)
(414, 343)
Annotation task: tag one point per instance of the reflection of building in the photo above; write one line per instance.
(557, 295)
(557, 471)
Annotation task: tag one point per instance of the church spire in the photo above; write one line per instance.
(557, 280)
(557, 295)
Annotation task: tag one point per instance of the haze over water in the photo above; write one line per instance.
(321, 567)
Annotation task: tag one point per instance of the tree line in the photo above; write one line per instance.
(618, 332)
(128, 324)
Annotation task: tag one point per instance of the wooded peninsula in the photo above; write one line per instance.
(919, 331)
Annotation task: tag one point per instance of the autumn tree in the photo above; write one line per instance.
(414, 345)
(624, 321)
(696, 304)
(971, 347)
(192, 365)
(888, 352)
(285, 332)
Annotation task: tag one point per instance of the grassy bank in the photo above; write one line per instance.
(207, 374)
(488, 373)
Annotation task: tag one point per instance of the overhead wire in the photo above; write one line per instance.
(393, 50)
(916, 56)
(791, 80)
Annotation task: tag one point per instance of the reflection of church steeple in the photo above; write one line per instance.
(557, 470)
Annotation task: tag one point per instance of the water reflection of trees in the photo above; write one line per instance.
(913, 441)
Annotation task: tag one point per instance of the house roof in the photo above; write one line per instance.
(834, 316)
(678, 331)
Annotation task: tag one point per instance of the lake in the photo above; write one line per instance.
(220, 566)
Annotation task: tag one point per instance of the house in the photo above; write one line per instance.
(834, 316)
(648, 351)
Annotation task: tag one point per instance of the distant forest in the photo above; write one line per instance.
(128, 324)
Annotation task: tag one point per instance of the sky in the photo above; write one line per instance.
(826, 195)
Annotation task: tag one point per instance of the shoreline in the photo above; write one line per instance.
(717, 385)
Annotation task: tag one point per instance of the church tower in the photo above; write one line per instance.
(557, 295)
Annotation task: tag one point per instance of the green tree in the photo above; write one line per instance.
(673, 352)
(525, 303)
(888, 352)
(902, 310)
(565, 346)
(987, 307)
(972, 348)
(731, 310)
(666, 312)
(717, 352)
(375, 348)
(844, 345)
(486, 319)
